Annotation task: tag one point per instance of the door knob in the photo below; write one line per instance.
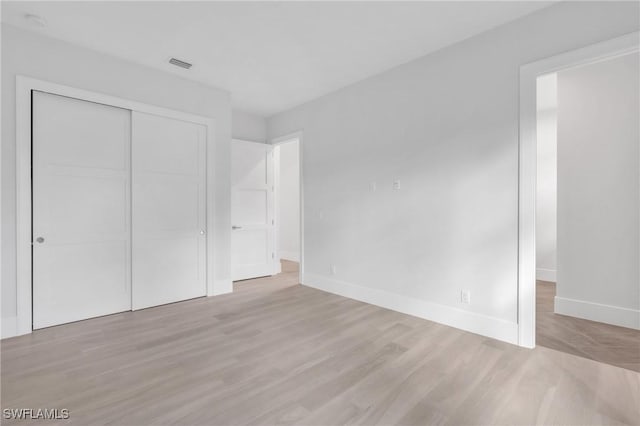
(203, 232)
(236, 227)
(40, 240)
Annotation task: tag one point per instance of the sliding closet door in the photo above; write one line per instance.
(169, 210)
(81, 210)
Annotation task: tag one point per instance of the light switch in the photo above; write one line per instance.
(396, 185)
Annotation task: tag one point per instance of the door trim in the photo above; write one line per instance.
(527, 166)
(284, 139)
(24, 87)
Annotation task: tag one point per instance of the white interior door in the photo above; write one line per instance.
(252, 210)
(169, 210)
(81, 210)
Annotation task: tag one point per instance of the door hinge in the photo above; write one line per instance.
(273, 255)
(273, 222)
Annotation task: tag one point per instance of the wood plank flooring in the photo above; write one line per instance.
(274, 352)
(594, 340)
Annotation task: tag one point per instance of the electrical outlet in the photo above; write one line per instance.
(373, 187)
(334, 270)
(465, 297)
(396, 185)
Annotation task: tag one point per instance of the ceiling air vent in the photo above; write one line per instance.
(179, 63)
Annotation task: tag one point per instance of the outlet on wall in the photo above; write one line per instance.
(465, 297)
(333, 269)
(373, 187)
(396, 185)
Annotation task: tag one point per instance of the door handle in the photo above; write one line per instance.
(40, 240)
(203, 232)
(234, 227)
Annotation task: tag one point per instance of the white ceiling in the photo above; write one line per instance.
(271, 56)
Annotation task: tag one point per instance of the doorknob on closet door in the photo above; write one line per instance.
(236, 227)
(40, 240)
(203, 232)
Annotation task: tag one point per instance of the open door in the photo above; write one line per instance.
(252, 210)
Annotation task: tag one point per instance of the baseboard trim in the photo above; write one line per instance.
(222, 287)
(546, 275)
(290, 255)
(614, 315)
(484, 325)
(9, 327)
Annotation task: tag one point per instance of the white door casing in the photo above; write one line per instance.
(252, 210)
(527, 166)
(81, 210)
(169, 243)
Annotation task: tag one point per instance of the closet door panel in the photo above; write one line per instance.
(81, 210)
(169, 210)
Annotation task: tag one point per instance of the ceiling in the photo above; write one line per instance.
(271, 56)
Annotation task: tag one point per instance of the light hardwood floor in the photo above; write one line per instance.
(274, 352)
(594, 340)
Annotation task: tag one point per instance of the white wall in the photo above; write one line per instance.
(546, 187)
(289, 201)
(599, 192)
(248, 127)
(59, 62)
(446, 126)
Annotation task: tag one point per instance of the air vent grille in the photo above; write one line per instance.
(179, 63)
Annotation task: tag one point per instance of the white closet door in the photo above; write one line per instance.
(169, 210)
(81, 210)
(252, 210)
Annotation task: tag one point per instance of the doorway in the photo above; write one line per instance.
(288, 184)
(588, 211)
(266, 212)
(580, 123)
(287, 166)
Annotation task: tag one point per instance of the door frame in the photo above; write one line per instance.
(279, 141)
(529, 73)
(24, 262)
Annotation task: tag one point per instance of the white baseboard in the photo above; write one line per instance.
(469, 321)
(222, 287)
(608, 314)
(9, 327)
(546, 275)
(290, 255)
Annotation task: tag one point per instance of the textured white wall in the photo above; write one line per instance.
(546, 186)
(59, 62)
(599, 191)
(446, 126)
(289, 201)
